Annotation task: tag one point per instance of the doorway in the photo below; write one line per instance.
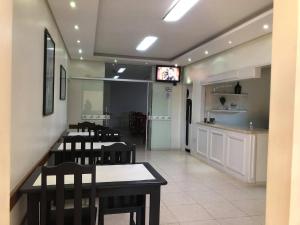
(126, 103)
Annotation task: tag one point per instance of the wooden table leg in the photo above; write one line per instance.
(154, 206)
(32, 209)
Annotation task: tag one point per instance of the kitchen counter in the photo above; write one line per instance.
(245, 130)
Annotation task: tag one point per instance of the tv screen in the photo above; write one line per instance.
(168, 74)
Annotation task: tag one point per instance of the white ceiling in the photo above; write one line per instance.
(112, 29)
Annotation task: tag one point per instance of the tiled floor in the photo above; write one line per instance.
(197, 194)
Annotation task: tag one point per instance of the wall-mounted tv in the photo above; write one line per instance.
(168, 74)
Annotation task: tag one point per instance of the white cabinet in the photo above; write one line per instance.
(243, 155)
(217, 146)
(202, 141)
(237, 150)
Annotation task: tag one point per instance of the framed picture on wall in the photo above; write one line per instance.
(49, 70)
(63, 83)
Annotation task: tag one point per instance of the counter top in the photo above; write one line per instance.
(245, 130)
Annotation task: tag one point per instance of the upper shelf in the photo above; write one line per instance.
(229, 94)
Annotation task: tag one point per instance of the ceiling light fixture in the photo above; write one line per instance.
(78, 41)
(206, 52)
(76, 27)
(81, 58)
(266, 26)
(80, 51)
(230, 42)
(176, 65)
(116, 77)
(73, 4)
(116, 61)
(121, 70)
(178, 9)
(189, 59)
(146, 43)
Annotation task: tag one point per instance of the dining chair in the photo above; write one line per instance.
(85, 126)
(109, 135)
(114, 155)
(97, 129)
(78, 155)
(53, 208)
(118, 153)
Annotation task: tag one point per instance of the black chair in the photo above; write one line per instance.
(118, 153)
(109, 135)
(78, 155)
(121, 154)
(97, 129)
(53, 198)
(85, 126)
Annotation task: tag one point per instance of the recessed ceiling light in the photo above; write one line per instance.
(80, 51)
(266, 26)
(121, 70)
(230, 42)
(206, 52)
(115, 60)
(146, 43)
(73, 4)
(81, 58)
(78, 41)
(179, 9)
(116, 77)
(189, 59)
(176, 65)
(76, 27)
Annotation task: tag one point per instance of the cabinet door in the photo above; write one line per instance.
(217, 146)
(237, 149)
(202, 141)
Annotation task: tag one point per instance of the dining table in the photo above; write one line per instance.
(111, 180)
(60, 154)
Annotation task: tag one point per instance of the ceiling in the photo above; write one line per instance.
(111, 29)
(132, 72)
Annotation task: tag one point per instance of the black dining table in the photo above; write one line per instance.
(111, 180)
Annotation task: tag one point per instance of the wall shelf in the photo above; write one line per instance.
(229, 94)
(228, 111)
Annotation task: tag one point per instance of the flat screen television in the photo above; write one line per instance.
(168, 74)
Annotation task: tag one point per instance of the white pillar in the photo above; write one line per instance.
(283, 185)
(5, 105)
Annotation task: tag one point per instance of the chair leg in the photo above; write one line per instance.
(101, 218)
(131, 222)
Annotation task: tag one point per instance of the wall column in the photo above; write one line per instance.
(283, 186)
(5, 106)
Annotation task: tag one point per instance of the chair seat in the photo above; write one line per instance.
(69, 216)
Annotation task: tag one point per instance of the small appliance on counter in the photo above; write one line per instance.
(208, 119)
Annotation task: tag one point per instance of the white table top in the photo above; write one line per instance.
(80, 133)
(109, 173)
(96, 145)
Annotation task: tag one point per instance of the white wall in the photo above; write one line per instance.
(256, 103)
(253, 53)
(32, 133)
(83, 69)
(176, 115)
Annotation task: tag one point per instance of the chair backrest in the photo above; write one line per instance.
(61, 192)
(117, 153)
(74, 154)
(110, 135)
(97, 129)
(85, 126)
